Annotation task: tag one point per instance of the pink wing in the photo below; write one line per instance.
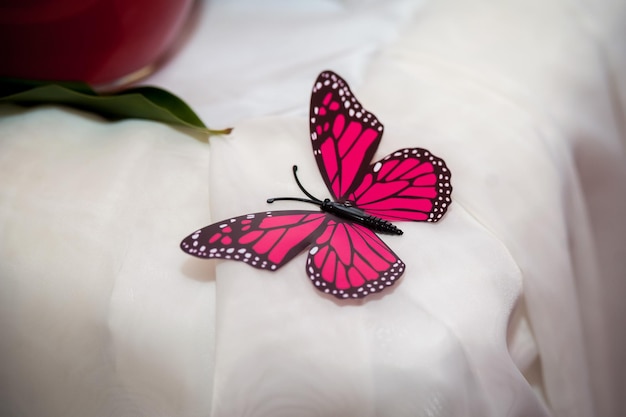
(350, 261)
(410, 184)
(265, 240)
(344, 135)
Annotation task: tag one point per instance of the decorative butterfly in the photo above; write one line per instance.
(346, 258)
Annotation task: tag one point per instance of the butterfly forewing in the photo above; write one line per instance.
(408, 185)
(266, 240)
(344, 135)
(350, 261)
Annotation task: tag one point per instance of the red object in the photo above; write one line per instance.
(95, 41)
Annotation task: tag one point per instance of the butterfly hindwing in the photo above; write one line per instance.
(348, 260)
(410, 184)
(344, 135)
(266, 240)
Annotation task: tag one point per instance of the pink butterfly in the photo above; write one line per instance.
(346, 258)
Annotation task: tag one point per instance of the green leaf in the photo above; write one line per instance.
(141, 103)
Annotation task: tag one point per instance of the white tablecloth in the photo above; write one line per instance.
(511, 305)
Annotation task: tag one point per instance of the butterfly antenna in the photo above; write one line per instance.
(313, 199)
(317, 200)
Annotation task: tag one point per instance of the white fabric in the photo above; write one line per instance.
(511, 305)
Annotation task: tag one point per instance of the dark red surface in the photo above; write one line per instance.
(96, 41)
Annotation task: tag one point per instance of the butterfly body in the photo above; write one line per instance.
(346, 259)
(349, 212)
